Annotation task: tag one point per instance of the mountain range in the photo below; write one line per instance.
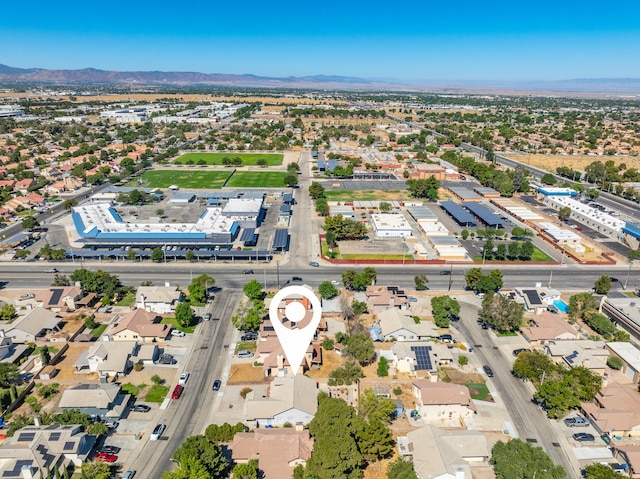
(8, 74)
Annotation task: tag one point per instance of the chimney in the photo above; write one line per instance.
(27, 472)
(36, 421)
(459, 473)
(299, 426)
(1, 333)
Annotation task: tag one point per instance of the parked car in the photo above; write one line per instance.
(250, 336)
(245, 354)
(216, 385)
(446, 338)
(519, 350)
(177, 391)
(315, 264)
(247, 271)
(184, 377)
(24, 297)
(207, 316)
(412, 299)
(141, 408)
(157, 432)
(178, 333)
(166, 360)
(112, 424)
(129, 474)
(104, 457)
(110, 449)
(576, 421)
(583, 437)
(487, 370)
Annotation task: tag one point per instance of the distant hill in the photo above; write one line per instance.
(602, 86)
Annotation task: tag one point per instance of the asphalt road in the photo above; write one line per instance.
(186, 416)
(529, 421)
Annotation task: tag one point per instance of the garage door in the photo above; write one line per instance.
(630, 373)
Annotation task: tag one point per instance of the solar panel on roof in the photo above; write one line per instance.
(26, 436)
(54, 436)
(69, 446)
(247, 234)
(281, 238)
(459, 214)
(56, 294)
(571, 357)
(423, 357)
(17, 469)
(532, 296)
(486, 215)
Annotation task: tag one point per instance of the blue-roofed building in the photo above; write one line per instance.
(462, 216)
(281, 239)
(551, 191)
(249, 237)
(486, 216)
(331, 165)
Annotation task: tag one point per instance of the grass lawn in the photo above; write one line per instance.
(52, 349)
(248, 159)
(406, 257)
(211, 180)
(246, 345)
(157, 393)
(367, 195)
(98, 330)
(174, 323)
(480, 391)
(505, 334)
(130, 389)
(253, 179)
(538, 256)
(128, 300)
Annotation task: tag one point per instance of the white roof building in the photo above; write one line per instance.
(390, 225)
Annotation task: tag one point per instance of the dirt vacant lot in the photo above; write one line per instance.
(579, 162)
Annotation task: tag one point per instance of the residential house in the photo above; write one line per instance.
(275, 363)
(23, 185)
(549, 327)
(439, 401)
(381, 298)
(629, 455)
(107, 358)
(60, 298)
(34, 450)
(292, 399)
(630, 356)
(35, 199)
(103, 400)
(399, 325)
(36, 324)
(278, 451)
(444, 454)
(419, 359)
(615, 411)
(139, 325)
(147, 353)
(10, 352)
(158, 299)
(583, 352)
(536, 300)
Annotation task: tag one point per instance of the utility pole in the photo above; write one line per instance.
(278, 273)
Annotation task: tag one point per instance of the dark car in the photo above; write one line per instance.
(296, 278)
(487, 370)
(445, 272)
(518, 351)
(251, 336)
(583, 437)
(216, 385)
(247, 271)
(110, 449)
(141, 408)
(315, 264)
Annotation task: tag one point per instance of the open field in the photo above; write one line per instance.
(578, 162)
(537, 256)
(367, 195)
(257, 179)
(248, 159)
(184, 179)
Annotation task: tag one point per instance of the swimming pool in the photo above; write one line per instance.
(561, 305)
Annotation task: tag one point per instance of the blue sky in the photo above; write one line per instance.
(411, 40)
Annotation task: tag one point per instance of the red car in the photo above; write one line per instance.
(177, 392)
(106, 457)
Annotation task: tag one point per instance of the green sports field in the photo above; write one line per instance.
(248, 159)
(184, 179)
(257, 179)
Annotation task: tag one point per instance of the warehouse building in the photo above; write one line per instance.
(390, 225)
(247, 212)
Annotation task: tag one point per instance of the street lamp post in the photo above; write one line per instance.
(628, 274)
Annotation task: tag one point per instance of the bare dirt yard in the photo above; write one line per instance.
(551, 162)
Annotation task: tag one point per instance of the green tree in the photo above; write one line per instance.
(374, 439)
(360, 346)
(45, 355)
(600, 324)
(224, 432)
(548, 179)
(8, 373)
(96, 470)
(384, 206)
(253, 290)
(344, 228)
(444, 308)
(335, 451)
(30, 222)
(424, 188)
(291, 180)
(246, 471)
(421, 281)
(316, 190)
(519, 460)
(472, 277)
(501, 252)
(208, 453)
(184, 315)
(157, 255)
(463, 360)
(347, 374)
(131, 254)
(592, 193)
(603, 284)
(526, 250)
(582, 305)
(601, 471)
(327, 290)
(358, 307)
(7, 312)
(401, 469)
(533, 365)
(100, 282)
(249, 318)
(614, 362)
(564, 213)
(61, 280)
(464, 233)
(372, 406)
(383, 367)
(502, 313)
(189, 255)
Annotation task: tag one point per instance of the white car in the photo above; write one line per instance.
(335, 283)
(184, 377)
(177, 332)
(157, 432)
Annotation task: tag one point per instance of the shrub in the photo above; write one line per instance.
(397, 390)
(327, 344)
(138, 367)
(244, 392)
(614, 362)
(383, 367)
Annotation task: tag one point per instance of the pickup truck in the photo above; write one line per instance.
(576, 421)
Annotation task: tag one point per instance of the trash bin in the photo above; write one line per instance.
(139, 436)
